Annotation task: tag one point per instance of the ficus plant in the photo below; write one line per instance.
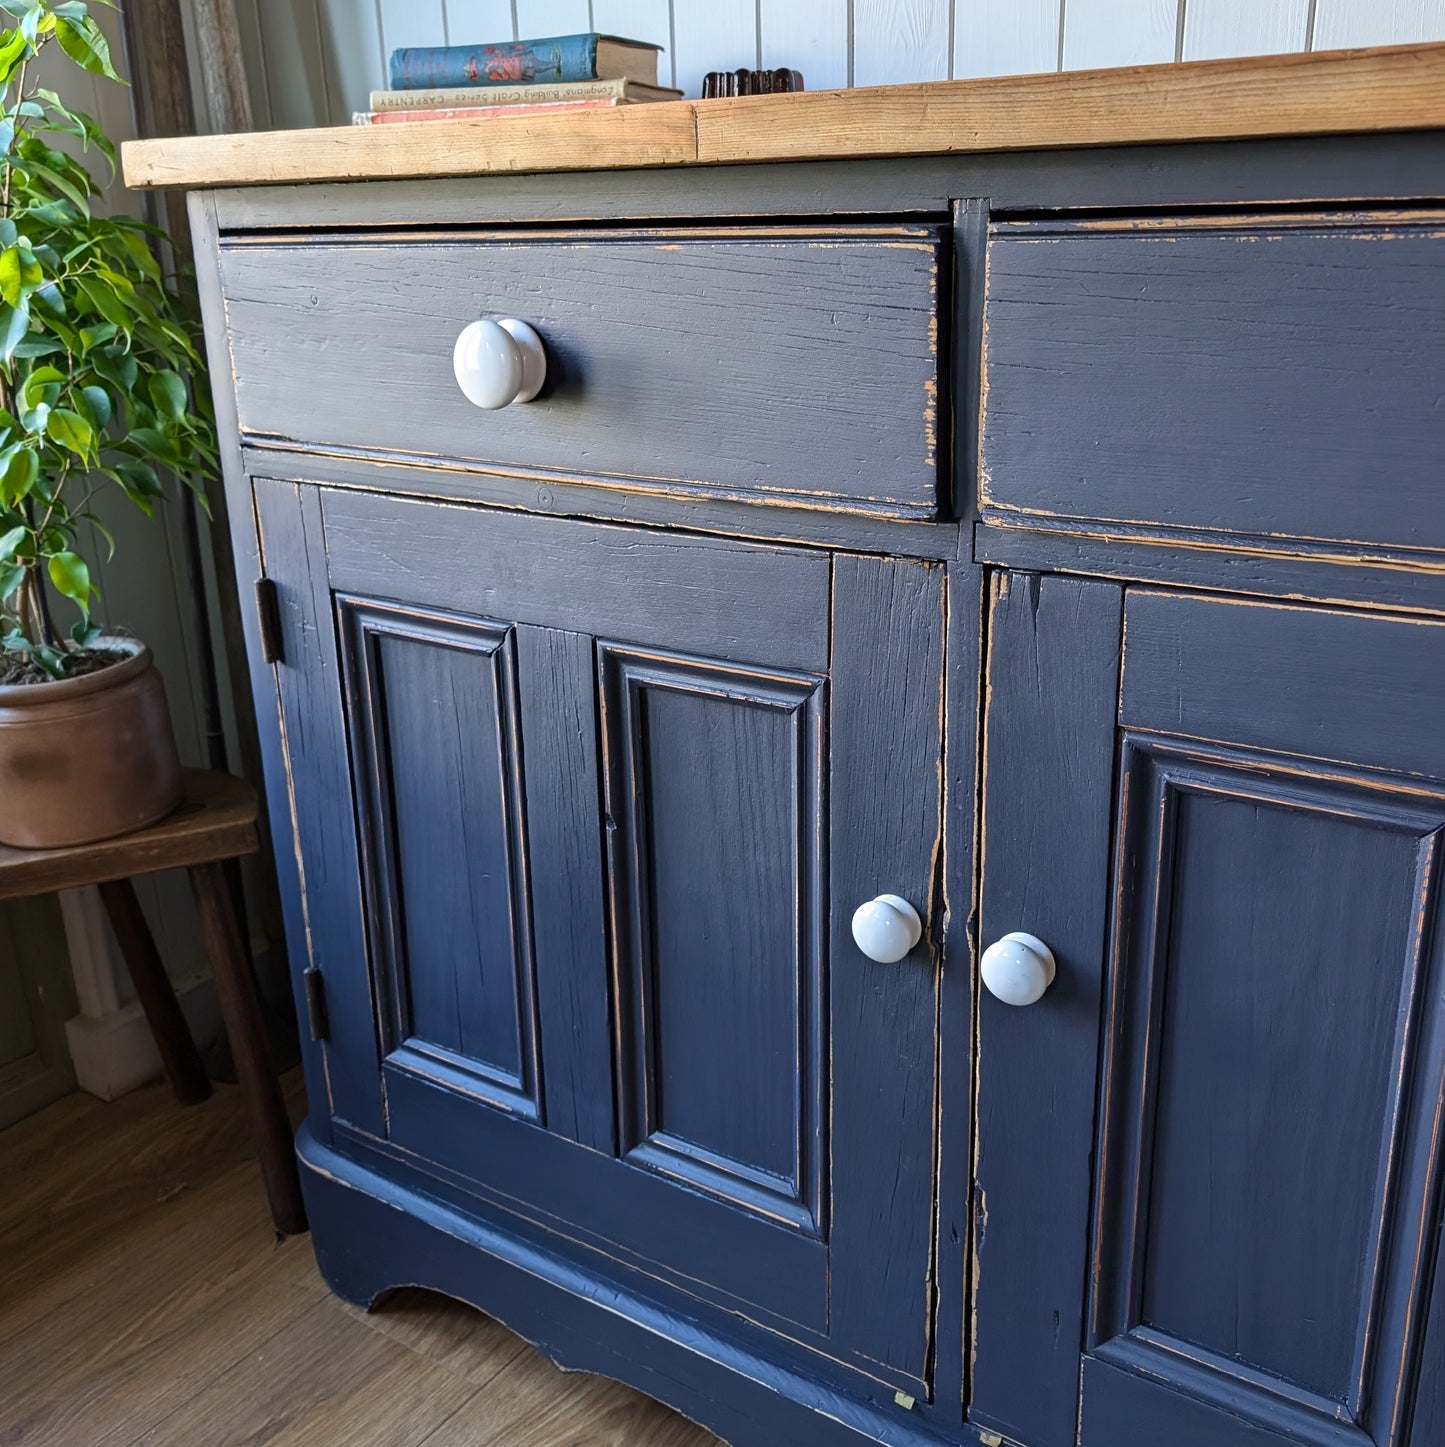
(101, 380)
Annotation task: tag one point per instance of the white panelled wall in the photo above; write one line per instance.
(314, 61)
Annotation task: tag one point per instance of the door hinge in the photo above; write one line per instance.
(315, 983)
(268, 613)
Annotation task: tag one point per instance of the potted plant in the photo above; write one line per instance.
(101, 389)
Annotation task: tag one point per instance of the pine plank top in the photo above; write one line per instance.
(1330, 93)
(216, 820)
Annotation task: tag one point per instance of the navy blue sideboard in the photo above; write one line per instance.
(1053, 540)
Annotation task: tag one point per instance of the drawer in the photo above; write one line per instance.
(795, 366)
(1277, 377)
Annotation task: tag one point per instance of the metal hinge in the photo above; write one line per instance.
(315, 983)
(268, 613)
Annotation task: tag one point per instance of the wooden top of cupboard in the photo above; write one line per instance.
(1330, 93)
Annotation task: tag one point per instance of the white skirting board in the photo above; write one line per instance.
(110, 1042)
(115, 1053)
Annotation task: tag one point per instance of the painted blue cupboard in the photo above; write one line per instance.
(918, 585)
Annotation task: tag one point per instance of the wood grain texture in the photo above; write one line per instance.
(1216, 28)
(559, 722)
(696, 594)
(1118, 32)
(810, 38)
(1048, 780)
(308, 767)
(1402, 88)
(1377, 22)
(216, 820)
(148, 1301)
(1005, 37)
(1215, 1273)
(1250, 377)
(898, 42)
(1325, 684)
(235, 982)
(887, 836)
(828, 336)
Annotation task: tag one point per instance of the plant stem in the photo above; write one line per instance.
(42, 625)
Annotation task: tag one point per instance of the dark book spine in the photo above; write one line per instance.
(512, 62)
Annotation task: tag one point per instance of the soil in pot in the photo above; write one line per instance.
(16, 669)
(89, 756)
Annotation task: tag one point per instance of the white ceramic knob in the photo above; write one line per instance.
(886, 928)
(498, 362)
(1018, 968)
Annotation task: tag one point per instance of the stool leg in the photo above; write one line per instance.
(241, 1009)
(153, 988)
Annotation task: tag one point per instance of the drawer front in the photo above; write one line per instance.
(1268, 377)
(796, 367)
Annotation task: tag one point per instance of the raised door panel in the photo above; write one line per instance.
(1272, 1081)
(1263, 913)
(437, 754)
(714, 810)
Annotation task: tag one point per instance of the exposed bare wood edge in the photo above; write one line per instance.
(1330, 93)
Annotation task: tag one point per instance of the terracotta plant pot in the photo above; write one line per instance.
(87, 758)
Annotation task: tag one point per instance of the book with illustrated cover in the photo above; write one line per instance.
(525, 62)
(628, 92)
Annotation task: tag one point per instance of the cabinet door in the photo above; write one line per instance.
(584, 812)
(1225, 818)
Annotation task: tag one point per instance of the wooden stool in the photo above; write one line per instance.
(217, 822)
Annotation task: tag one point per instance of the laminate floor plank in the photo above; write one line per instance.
(147, 1302)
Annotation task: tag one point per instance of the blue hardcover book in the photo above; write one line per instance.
(525, 62)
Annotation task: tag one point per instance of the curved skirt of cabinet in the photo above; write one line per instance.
(372, 1235)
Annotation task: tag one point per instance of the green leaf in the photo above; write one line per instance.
(84, 633)
(168, 392)
(94, 403)
(71, 576)
(13, 49)
(14, 323)
(12, 575)
(50, 659)
(36, 419)
(83, 42)
(116, 368)
(70, 430)
(19, 7)
(20, 274)
(38, 346)
(10, 541)
(19, 476)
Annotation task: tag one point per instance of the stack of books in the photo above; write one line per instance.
(511, 77)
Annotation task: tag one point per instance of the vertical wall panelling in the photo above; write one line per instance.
(713, 35)
(1341, 23)
(1005, 37)
(1214, 28)
(406, 22)
(553, 17)
(351, 56)
(480, 21)
(640, 20)
(810, 38)
(900, 40)
(1118, 32)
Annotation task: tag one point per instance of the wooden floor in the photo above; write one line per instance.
(144, 1298)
